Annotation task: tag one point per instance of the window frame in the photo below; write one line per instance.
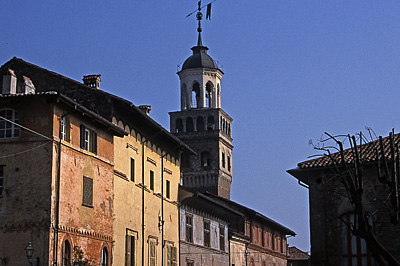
(66, 256)
(152, 252)
(151, 180)
(130, 249)
(88, 139)
(222, 237)
(104, 257)
(132, 169)
(11, 127)
(167, 189)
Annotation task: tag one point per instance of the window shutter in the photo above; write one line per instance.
(82, 136)
(94, 142)
(174, 260)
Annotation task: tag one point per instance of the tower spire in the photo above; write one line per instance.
(199, 17)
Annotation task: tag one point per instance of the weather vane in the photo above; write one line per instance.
(199, 15)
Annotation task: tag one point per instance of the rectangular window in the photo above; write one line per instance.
(151, 180)
(354, 248)
(229, 163)
(222, 237)
(129, 250)
(189, 263)
(1, 180)
(171, 255)
(189, 228)
(207, 240)
(87, 198)
(88, 139)
(152, 252)
(168, 189)
(132, 169)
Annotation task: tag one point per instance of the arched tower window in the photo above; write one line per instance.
(189, 124)
(66, 254)
(210, 123)
(184, 97)
(178, 126)
(9, 129)
(200, 123)
(209, 95)
(196, 95)
(205, 159)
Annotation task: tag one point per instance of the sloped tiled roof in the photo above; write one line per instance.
(297, 254)
(367, 153)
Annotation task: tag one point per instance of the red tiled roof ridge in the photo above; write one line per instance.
(297, 254)
(367, 153)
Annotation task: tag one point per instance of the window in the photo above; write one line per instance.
(222, 237)
(189, 263)
(189, 124)
(152, 252)
(87, 191)
(88, 139)
(207, 239)
(168, 189)
(229, 163)
(129, 249)
(200, 124)
(354, 249)
(1, 180)
(9, 129)
(104, 257)
(178, 126)
(151, 180)
(171, 255)
(132, 169)
(189, 228)
(66, 254)
(223, 159)
(205, 159)
(196, 95)
(64, 128)
(208, 95)
(210, 123)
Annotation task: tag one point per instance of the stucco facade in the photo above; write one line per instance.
(43, 196)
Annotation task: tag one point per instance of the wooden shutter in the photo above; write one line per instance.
(82, 128)
(94, 142)
(128, 250)
(87, 191)
(174, 256)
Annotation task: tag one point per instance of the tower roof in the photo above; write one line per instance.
(199, 59)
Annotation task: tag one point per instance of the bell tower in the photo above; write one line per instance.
(202, 124)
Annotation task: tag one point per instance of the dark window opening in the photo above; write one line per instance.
(200, 123)
(132, 169)
(189, 228)
(223, 159)
(210, 123)
(222, 237)
(168, 189)
(207, 240)
(151, 180)
(229, 163)
(189, 124)
(129, 250)
(178, 126)
(104, 257)
(66, 254)
(205, 159)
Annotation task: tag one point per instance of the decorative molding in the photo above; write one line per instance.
(132, 147)
(167, 171)
(140, 185)
(121, 175)
(86, 233)
(151, 161)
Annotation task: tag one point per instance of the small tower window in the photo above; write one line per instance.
(210, 123)
(200, 123)
(229, 163)
(205, 159)
(209, 95)
(178, 126)
(189, 124)
(196, 95)
(223, 159)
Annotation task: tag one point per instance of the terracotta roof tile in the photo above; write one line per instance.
(297, 254)
(367, 153)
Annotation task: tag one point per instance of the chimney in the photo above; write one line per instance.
(145, 109)
(92, 81)
(9, 82)
(28, 86)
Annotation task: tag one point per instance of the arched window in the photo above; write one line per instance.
(205, 159)
(8, 129)
(184, 96)
(66, 254)
(195, 95)
(189, 124)
(209, 95)
(200, 123)
(210, 123)
(104, 257)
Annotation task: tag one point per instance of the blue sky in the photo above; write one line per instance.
(293, 70)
